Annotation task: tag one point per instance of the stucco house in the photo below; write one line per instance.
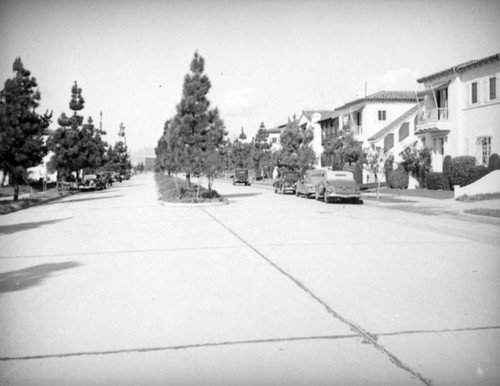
(273, 137)
(398, 134)
(308, 120)
(460, 113)
(366, 116)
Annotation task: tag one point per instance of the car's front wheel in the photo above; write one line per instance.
(325, 198)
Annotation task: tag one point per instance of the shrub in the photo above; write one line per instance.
(475, 173)
(417, 162)
(388, 166)
(459, 171)
(398, 179)
(435, 181)
(357, 169)
(447, 172)
(494, 162)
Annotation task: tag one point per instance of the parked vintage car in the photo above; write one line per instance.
(306, 187)
(92, 182)
(338, 185)
(241, 177)
(286, 183)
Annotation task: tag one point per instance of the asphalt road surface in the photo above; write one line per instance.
(113, 288)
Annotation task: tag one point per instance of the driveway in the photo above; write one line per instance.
(112, 287)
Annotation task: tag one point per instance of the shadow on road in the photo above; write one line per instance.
(237, 195)
(32, 276)
(85, 199)
(10, 229)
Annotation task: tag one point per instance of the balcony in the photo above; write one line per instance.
(433, 120)
(426, 117)
(356, 130)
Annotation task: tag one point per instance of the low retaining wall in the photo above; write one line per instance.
(489, 184)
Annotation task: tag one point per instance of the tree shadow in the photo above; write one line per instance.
(32, 276)
(237, 195)
(9, 229)
(85, 199)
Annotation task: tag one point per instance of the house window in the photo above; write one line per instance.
(493, 88)
(388, 142)
(474, 92)
(485, 147)
(404, 131)
(382, 115)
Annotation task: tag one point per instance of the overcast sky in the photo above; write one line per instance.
(266, 60)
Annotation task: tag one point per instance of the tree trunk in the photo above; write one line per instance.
(16, 186)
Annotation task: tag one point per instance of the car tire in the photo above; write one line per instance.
(297, 193)
(275, 191)
(325, 199)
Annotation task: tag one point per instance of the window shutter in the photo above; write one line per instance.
(468, 95)
(497, 87)
(486, 90)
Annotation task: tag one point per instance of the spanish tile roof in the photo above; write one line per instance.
(383, 96)
(460, 68)
(398, 121)
(308, 113)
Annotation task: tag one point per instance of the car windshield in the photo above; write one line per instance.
(339, 175)
(290, 175)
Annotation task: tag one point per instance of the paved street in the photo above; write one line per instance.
(113, 288)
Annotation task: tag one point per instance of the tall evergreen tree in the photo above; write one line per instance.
(197, 132)
(296, 152)
(21, 129)
(77, 145)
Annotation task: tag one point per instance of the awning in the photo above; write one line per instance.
(433, 88)
(433, 130)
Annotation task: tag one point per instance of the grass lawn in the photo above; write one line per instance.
(436, 194)
(9, 206)
(485, 212)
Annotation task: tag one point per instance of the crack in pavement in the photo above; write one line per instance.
(179, 347)
(367, 337)
(238, 342)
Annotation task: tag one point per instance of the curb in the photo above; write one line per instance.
(39, 203)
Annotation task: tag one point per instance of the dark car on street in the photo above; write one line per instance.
(306, 187)
(287, 182)
(92, 182)
(338, 185)
(241, 177)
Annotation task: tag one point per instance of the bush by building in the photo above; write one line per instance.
(398, 178)
(459, 171)
(447, 172)
(494, 162)
(436, 181)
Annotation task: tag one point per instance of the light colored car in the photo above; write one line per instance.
(306, 187)
(338, 185)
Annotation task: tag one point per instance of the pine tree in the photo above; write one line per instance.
(197, 132)
(21, 129)
(77, 145)
(65, 141)
(296, 152)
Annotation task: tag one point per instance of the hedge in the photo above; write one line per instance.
(447, 172)
(459, 171)
(494, 162)
(398, 179)
(436, 181)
